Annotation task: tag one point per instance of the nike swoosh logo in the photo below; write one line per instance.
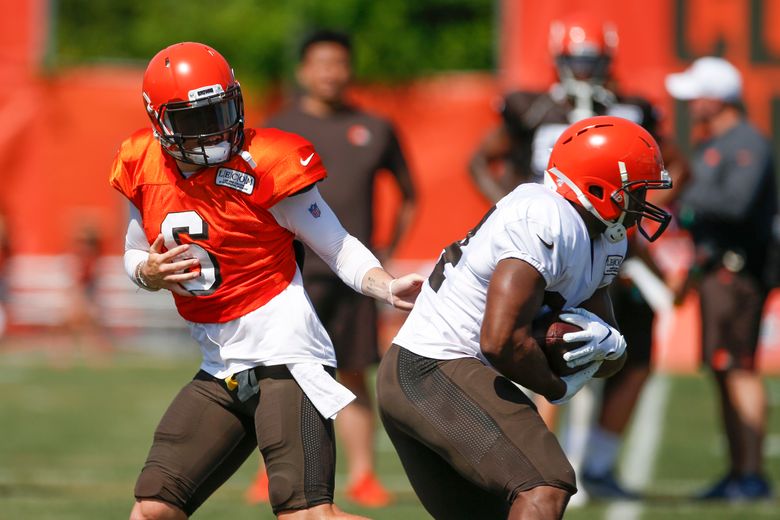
(548, 246)
(305, 162)
(609, 333)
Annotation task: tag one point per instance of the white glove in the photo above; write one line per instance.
(574, 382)
(603, 340)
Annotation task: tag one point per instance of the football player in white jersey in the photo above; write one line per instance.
(471, 442)
(583, 47)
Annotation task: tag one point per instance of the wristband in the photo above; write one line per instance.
(140, 281)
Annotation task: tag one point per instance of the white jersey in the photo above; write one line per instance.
(531, 223)
(284, 330)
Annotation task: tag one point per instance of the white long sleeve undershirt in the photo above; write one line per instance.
(136, 245)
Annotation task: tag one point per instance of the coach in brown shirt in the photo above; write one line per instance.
(354, 146)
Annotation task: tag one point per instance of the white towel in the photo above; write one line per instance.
(654, 290)
(328, 395)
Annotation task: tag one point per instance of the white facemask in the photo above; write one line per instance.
(216, 153)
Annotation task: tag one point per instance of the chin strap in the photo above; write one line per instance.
(247, 157)
(615, 231)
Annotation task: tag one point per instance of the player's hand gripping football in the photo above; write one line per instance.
(163, 270)
(403, 291)
(576, 381)
(603, 340)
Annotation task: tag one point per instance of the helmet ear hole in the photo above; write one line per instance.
(596, 191)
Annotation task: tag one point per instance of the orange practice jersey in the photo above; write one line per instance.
(246, 258)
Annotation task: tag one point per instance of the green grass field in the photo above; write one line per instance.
(75, 433)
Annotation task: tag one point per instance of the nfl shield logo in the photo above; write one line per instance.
(315, 210)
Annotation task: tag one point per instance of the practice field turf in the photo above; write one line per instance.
(75, 433)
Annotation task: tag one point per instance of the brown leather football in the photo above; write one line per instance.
(555, 347)
(549, 331)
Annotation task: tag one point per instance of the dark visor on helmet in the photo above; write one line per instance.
(205, 120)
(187, 127)
(583, 67)
(642, 209)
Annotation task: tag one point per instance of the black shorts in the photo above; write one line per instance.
(350, 319)
(635, 321)
(207, 433)
(731, 309)
(468, 438)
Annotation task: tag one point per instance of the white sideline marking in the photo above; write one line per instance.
(772, 446)
(644, 437)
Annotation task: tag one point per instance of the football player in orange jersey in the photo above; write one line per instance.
(214, 211)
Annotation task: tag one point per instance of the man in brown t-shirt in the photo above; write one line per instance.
(354, 146)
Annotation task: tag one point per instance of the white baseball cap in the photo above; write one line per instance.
(709, 78)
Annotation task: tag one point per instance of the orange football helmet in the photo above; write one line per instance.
(606, 164)
(194, 103)
(582, 47)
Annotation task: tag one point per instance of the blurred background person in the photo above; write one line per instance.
(729, 208)
(83, 314)
(582, 47)
(354, 146)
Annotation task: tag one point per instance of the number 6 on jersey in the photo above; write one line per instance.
(190, 223)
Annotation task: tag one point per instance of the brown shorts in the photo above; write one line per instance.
(469, 439)
(350, 319)
(731, 308)
(207, 433)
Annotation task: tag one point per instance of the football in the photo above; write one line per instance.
(549, 331)
(549, 334)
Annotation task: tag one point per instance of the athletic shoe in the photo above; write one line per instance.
(369, 492)
(734, 488)
(606, 487)
(257, 492)
(754, 487)
(727, 488)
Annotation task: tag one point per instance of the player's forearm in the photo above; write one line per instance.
(136, 248)
(352, 262)
(600, 304)
(521, 359)
(324, 234)
(376, 283)
(132, 258)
